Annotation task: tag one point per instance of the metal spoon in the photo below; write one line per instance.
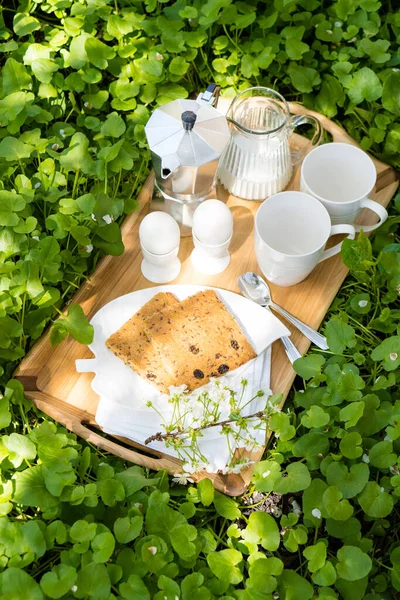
(291, 351)
(257, 289)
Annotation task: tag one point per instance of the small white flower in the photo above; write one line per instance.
(387, 438)
(337, 24)
(182, 479)
(152, 550)
(316, 513)
(89, 248)
(37, 185)
(352, 40)
(62, 133)
(394, 470)
(55, 147)
(159, 56)
(365, 458)
(329, 31)
(36, 237)
(393, 356)
(296, 508)
(265, 474)
(108, 219)
(395, 70)
(74, 588)
(86, 104)
(382, 489)
(138, 505)
(362, 303)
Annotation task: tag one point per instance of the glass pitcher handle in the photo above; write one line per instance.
(295, 121)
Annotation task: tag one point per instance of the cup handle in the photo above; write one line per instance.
(295, 121)
(377, 209)
(342, 228)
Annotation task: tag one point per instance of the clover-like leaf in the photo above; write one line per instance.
(294, 587)
(352, 413)
(76, 324)
(337, 508)
(315, 417)
(224, 565)
(353, 563)
(262, 529)
(374, 501)
(127, 529)
(350, 445)
(316, 556)
(388, 352)
(351, 481)
(205, 490)
(57, 582)
(309, 366)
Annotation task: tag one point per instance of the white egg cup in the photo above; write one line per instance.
(160, 268)
(210, 259)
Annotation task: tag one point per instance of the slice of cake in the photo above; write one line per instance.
(197, 339)
(132, 345)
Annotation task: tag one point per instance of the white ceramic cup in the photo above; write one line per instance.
(291, 231)
(342, 176)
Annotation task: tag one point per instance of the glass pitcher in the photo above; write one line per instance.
(257, 161)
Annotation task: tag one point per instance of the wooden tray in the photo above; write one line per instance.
(49, 374)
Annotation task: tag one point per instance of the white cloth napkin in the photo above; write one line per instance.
(122, 408)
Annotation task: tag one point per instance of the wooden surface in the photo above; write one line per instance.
(49, 374)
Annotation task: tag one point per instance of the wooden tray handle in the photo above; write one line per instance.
(74, 418)
(386, 175)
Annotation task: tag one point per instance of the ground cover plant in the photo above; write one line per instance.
(78, 81)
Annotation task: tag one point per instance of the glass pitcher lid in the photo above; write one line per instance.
(259, 111)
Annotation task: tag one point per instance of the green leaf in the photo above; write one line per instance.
(374, 501)
(30, 489)
(76, 324)
(178, 66)
(349, 482)
(76, 156)
(325, 576)
(94, 581)
(15, 77)
(20, 448)
(127, 529)
(294, 587)
(381, 455)
(134, 589)
(315, 417)
(350, 445)
(352, 413)
(82, 531)
(224, 565)
(98, 53)
(309, 366)
(336, 507)
(114, 126)
(388, 352)
(316, 556)
(339, 335)
(16, 584)
(364, 85)
(24, 24)
(58, 582)
(103, 547)
(205, 489)
(262, 529)
(12, 149)
(391, 94)
(304, 79)
(297, 479)
(226, 507)
(353, 563)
